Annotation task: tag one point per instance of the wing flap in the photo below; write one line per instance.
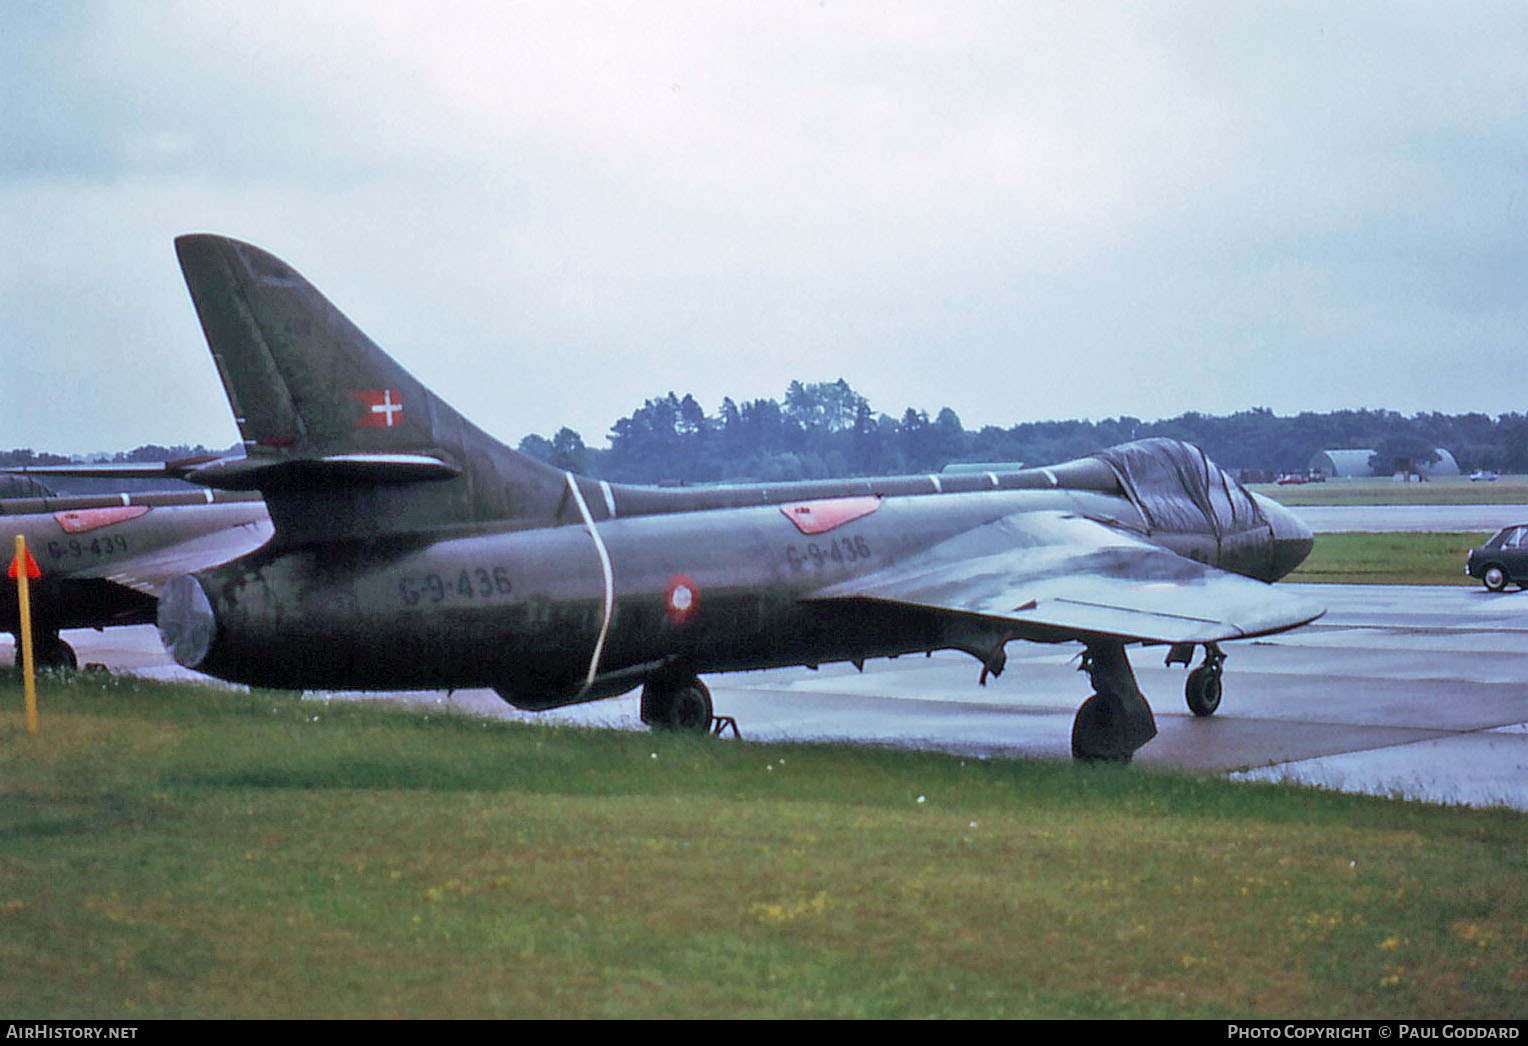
(1054, 576)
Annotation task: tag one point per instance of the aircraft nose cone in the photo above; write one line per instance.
(1292, 539)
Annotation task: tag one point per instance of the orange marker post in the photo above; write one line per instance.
(24, 569)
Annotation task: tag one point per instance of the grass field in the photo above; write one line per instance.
(1394, 558)
(1451, 490)
(1389, 559)
(187, 852)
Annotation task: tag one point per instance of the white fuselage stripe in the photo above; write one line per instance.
(609, 497)
(599, 546)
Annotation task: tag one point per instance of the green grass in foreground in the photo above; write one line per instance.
(1390, 559)
(188, 852)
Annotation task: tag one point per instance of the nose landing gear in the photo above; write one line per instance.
(1202, 691)
(1202, 688)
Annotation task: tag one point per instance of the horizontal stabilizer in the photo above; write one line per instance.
(299, 473)
(116, 469)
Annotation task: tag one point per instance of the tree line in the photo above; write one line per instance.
(828, 430)
(823, 430)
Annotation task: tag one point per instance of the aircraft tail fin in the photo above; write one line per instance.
(335, 432)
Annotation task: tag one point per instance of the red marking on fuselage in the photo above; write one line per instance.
(79, 521)
(680, 599)
(817, 517)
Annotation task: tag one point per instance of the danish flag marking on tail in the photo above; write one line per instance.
(383, 408)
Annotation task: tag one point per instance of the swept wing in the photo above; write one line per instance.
(1054, 576)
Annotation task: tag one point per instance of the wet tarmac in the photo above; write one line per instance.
(1445, 519)
(1411, 691)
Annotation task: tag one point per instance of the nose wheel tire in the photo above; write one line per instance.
(1202, 691)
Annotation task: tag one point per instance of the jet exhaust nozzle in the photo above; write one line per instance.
(187, 625)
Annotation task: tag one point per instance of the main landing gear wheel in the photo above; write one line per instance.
(50, 651)
(1116, 720)
(1098, 732)
(682, 704)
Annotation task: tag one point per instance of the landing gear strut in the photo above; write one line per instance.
(1116, 720)
(677, 703)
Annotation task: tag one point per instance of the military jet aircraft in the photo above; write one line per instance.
(103, 558)
(412, 550)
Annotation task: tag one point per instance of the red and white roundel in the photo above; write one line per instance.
(680, 599)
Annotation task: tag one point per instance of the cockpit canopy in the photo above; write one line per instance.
(23, 487)
(1179, 489)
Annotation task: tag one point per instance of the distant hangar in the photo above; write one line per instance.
(1349, 463)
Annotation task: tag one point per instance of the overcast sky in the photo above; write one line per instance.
(551, 211)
